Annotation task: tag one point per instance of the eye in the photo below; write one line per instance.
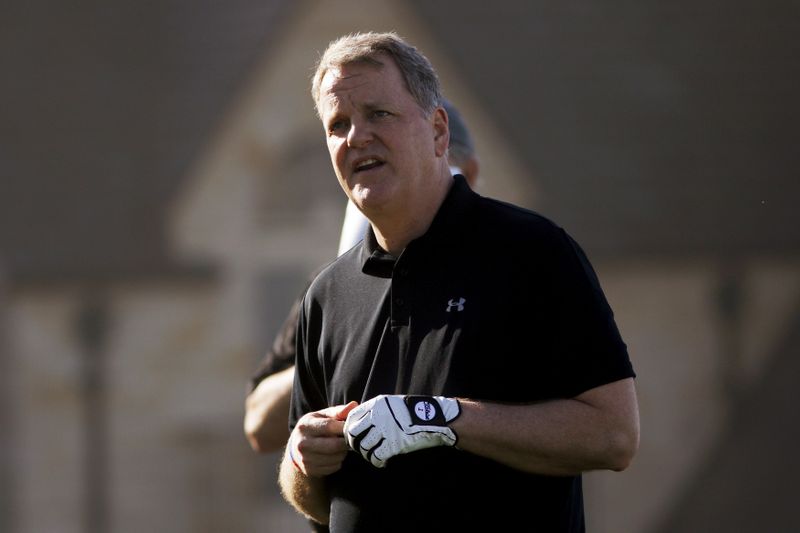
(337, 126)
(380, 113)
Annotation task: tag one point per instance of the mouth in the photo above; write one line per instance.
(367, 164)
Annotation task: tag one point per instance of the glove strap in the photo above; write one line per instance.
(425, 411)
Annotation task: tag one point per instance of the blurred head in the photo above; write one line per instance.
(417, 72)
(461, 152)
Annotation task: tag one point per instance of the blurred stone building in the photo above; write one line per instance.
(165, 192)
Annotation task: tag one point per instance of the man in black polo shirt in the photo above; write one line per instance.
(460, 368)
(270, 388)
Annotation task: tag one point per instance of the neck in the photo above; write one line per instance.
(394, 233)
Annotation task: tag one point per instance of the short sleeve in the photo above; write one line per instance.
(308, 391)
(282, 353)
(588, 348)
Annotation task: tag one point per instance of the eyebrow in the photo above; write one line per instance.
(372, 106)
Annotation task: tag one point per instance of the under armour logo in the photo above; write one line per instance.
(459, 305)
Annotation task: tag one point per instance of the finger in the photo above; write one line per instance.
(354, 439)
(338, 411)
(323, 459)
(322, 472)
(324, 469)
(318, 425)
(320, 456)
(345, 411)
(376, 457)
(358, 413)
(321, 445)
(350, 440)
(370, 439)
(322, 465)
(357, 422)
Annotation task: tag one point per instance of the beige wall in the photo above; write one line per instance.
(178, 460)
(667, 314)
(47, 441)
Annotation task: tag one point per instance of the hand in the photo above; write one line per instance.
(390, 425)
(316, 446)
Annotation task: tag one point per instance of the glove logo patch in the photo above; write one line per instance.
(425, 411)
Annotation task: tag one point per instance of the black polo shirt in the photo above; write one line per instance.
(493, 302)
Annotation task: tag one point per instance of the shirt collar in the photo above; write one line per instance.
(448, 222)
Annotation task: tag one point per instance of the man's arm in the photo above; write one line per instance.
(267, 412)
(599, 429)
(316, 449)
(308, 495)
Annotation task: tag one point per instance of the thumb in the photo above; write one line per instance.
(341, 411)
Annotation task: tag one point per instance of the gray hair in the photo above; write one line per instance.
(420, 78)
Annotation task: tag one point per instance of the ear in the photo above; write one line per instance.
(441, 131)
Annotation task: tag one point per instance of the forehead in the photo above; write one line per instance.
(361, 82)
(348, 77)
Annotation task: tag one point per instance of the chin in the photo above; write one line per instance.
(371, 197)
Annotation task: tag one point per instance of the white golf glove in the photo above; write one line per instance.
(390, 425)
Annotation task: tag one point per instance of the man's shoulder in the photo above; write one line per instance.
(337, 272)
(499, 218)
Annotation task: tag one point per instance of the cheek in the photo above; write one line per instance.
(335, 149)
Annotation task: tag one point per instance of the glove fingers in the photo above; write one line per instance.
(375, 456)
(358, 413)
(370, 440)
(355, 427)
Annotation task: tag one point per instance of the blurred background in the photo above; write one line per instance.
(165, 191)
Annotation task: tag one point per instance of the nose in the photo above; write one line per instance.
(359, 135)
